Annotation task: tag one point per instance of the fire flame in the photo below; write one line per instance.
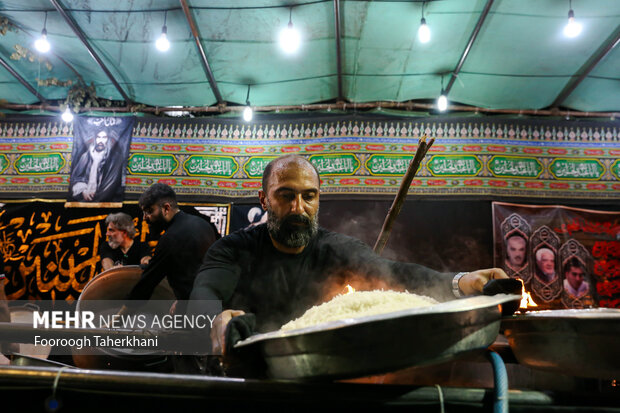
(526, 300)
(349, 289)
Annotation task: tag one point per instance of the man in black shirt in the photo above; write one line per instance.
(279, 269)
(179, 251)
(121, 247)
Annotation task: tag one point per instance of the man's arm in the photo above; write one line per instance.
(107, 255)
(145, 253)
(418, 278)
(106, 264)
(155, 272)
(216, 280)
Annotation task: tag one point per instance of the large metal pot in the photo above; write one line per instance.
(582, 343)
(114, 285)
(24, 314)
(382, 343)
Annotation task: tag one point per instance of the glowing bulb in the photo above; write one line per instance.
(424, 33)
(290, 40)
(442, 102)
(162, 42)
(248, 113)
(41, 44)
(572, 28)
(67, 116)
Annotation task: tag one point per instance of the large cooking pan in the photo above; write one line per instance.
(382, 343)
(114, 285)
(583, 343)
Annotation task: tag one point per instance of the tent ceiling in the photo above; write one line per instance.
(519, 60)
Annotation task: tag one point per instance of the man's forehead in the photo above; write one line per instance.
(294, 174)
(516, 240)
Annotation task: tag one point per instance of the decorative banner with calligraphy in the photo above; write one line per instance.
(355, 154)
(566, 257)
(99, 160)
(51, 252)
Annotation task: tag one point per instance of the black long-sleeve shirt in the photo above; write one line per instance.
(248, 273)
(177, 256)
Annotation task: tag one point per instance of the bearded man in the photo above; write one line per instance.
(279, 269)
(121, 247)
(97, 175)
(179, 251)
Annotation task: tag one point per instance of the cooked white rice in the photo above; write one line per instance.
(359, 304)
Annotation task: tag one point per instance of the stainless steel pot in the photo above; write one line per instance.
(382, 343)
(24, 314)
(583, 343)
(115, 284)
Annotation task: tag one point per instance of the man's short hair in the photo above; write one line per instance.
(285, 158)
(123, 222)
(540, 252)
(158, 194)
(574, 262)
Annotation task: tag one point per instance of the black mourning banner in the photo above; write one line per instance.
(99, 160)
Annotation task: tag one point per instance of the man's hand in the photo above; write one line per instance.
(218, 332)
(124, 310)
(473, 282)
(173, 307)
(145, 260)
(88, 195)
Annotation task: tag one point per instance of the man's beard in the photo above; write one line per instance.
(99, 147)
(287, 232)
(157, 224)
(113, 244)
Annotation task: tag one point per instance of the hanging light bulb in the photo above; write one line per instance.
(248, 113)
(572, 28)
(41, 44)
(442, 102)
(290, 40)
(162, 42)
(67, 115)
(424, 33)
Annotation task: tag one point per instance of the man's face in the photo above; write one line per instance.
(101, 141)
(154, 216)
(292, 204)
(546, 262)
(574, 275)
(515, 249)
(115, 236)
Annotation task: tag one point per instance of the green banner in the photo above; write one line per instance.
(255, 166)
(615, 168)
(454, 165)
(515, 167)
(576, 169)
(388, 164)
(47, 163)
(4, 162)
(211, 165)
(337, 164)
(147, 164)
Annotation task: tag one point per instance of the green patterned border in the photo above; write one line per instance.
(472, 157)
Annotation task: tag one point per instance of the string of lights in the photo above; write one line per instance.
(290, 41)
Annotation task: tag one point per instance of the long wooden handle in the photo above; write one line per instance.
(397, 204)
